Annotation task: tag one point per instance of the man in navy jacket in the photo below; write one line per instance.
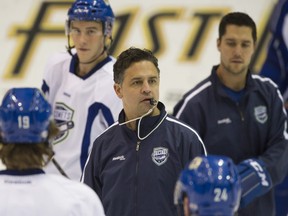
(241, 115)
(135, 163)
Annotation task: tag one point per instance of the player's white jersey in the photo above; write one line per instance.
(34, 193)
(83, 107)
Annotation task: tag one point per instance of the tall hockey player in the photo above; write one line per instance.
(79, 84)
(242, 116)
(135, 163)
(276, 68)
(208, 186)
(26, 127)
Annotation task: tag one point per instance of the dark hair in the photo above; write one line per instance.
(27, 156)
(130, 56)
(239, 19)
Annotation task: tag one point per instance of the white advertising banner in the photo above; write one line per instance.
(181, 33)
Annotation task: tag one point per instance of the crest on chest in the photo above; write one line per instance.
(260, 113)
(160, 155)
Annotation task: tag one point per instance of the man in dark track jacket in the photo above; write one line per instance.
(134, 164)
(242, 116)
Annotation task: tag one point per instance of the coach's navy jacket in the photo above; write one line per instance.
(136, 177)
(255, 127)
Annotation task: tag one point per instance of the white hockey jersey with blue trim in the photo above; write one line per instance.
(83, 108)
(46, 194)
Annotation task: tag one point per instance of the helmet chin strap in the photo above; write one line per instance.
(69, 48)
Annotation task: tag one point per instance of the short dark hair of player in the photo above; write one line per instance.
(130, 56)
(239, 19)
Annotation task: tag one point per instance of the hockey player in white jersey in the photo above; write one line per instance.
(79, 84)
(26, 126)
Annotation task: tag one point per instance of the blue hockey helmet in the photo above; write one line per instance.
(212, 185)
(24, 116)
(93, 10)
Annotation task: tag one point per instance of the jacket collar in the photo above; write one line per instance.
(250, 86)
(148, 123)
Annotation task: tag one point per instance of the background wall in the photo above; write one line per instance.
(181, 33)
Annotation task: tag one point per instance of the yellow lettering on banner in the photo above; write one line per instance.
(31, 35)
(201, 21)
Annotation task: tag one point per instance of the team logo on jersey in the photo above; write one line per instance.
(63, 117)
(260, 113)
(160, 155)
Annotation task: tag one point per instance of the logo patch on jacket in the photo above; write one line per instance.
(160, 155)
(260, 113)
